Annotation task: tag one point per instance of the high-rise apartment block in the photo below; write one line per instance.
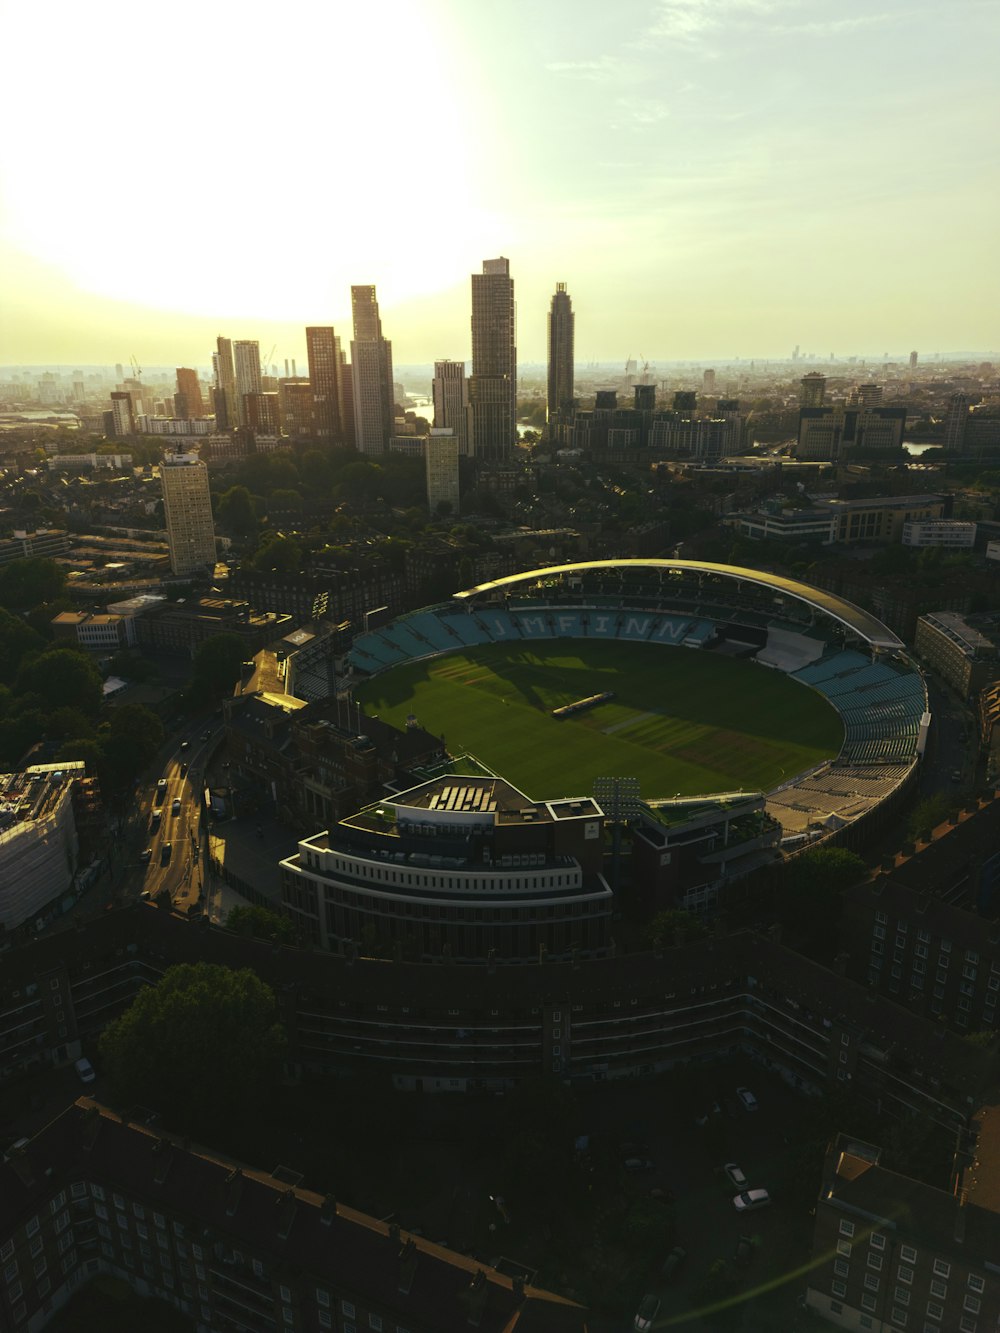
(813, 389)
(955, 421)
(122, 417)
(323, 350)
(371, 371)
(870, 395)
(246, 357)
(450, 390)
(493, 387)
(708, 382)
(187, 506)
(561, 351)
(913, 360)
(225, 385)
(189, 388)
(441, 465)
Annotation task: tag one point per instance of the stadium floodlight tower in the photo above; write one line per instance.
(619, 798)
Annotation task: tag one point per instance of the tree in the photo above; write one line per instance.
(284, 499)
(62, 675)
(130, 739)
(261, 923)
(928, 815)
(200, 1046)
(217, 664)
(811, 888)
(25, 583)
(280, 553)
(235, 511)
(675, 927)
(16, 640)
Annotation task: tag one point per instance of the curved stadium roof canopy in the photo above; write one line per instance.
(859, 622)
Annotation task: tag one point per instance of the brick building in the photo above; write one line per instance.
(230, 1247)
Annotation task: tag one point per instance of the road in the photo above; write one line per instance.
(173, 839)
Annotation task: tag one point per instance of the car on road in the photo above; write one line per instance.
(206, 735)
(175, 807)
(85, 1070)
(649, 1308)
(154, 820)
(747, 1100)
(185, 745)
(735, 1176)
(748, 1200)
(184, 769)
(161, 789)
(638, 1164)
(147, 855)
(165, 852)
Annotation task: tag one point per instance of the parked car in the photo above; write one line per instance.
(638, 1164)
(146, 855)
(748, 1200)
(649, 1308)
(743, 1253)
(735, 1176)
(85, 1070)
(704, 1117)
(206, 735)
(672, 1262)
(747, 1100)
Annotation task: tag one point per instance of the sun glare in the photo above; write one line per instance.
(267, 165)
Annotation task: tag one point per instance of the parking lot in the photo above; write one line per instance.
(763, 1250)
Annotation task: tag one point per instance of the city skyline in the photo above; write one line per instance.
(709, 177)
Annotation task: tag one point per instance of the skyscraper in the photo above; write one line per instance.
(246, 355)
(324, 376)
(225, 383)
(371, 369)
(561, 345)
(708, 382)
(913, 360)
(187, 508)
(813, 389)
(189, 387)
(493, 386)
(450, 390)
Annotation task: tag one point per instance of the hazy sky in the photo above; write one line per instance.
(711, 178)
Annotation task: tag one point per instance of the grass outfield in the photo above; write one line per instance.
(682, 721)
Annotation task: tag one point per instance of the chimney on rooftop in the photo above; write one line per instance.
(234, 1189)
(478, 1293)
(285, 1204)
(408, 1257)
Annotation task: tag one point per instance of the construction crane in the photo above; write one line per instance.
(267, 366)
(136, 368)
